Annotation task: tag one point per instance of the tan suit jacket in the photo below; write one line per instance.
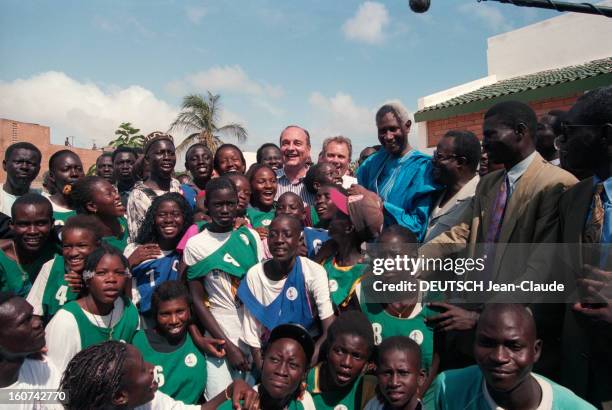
(531, 216)
(586, 348)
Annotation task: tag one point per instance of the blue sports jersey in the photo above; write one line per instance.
(314, 239)
(152, 273)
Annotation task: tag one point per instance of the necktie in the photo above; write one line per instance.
(492, 236)
(497, 213)
(592, 230)
(592, 254)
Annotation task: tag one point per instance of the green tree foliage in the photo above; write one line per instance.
(199, 117)
(128, 136)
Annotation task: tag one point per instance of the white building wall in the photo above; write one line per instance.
(565, 40)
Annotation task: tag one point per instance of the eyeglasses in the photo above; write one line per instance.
(438, 157)
(560, 141)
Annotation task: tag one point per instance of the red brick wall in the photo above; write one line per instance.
(39, 135)
(473, 122)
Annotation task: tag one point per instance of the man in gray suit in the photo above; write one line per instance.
(455, 161)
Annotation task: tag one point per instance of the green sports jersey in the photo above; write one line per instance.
(314, 216)
(293, 405)
(343, 399)
(124, 330)
(259, 218)
(464, 389)
(62, 217)
(119, 243)
(341, 280)
(180, 374)
(235, 257)
(57, 292)
(386, 325)
(18, 278)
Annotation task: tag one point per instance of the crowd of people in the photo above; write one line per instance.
(232, 287)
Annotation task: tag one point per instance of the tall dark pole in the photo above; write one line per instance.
(560, 6)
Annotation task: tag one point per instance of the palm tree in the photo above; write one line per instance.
(199, 116)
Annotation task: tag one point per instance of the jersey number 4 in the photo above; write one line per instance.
(61, 295)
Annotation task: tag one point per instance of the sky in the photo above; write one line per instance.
(84, 67)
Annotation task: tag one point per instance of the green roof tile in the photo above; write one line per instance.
(528, 82)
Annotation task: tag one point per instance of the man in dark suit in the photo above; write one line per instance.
(586, 219)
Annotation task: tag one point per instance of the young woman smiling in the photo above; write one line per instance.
(286, 359)
(102, 314)
(180, 367)
(280, 290)
(96, 196)
(60, 279)
(217, 259)
(153, 256)
(263, 190)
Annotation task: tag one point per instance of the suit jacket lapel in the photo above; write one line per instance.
(583, 197)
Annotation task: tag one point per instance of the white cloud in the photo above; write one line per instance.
(195, 13)
(340, 115)
(488, 14)
(368, 24)
(224, 79)
(121, 23)
(105, 24)
(82, 109)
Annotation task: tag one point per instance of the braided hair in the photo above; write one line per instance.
(83, 192)
(148, 231)
(93, 377)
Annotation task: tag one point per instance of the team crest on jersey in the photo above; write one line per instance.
(333, 285)
(341, 407)
(245, 239)
(191, 360)
(316, 245)
(417, 336)
(266, 222)
(230, 259)
(292, 293)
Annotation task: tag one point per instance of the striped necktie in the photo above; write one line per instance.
(592, 230)
(592, 253)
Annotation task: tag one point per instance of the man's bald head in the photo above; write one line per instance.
(506, 346)
(289, 220)
(508, 314)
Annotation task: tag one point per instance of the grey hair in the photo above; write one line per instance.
(397, 108)
(339, 139)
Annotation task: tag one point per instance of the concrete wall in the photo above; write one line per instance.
(14, 131)
(473, 121)
(565, 40)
